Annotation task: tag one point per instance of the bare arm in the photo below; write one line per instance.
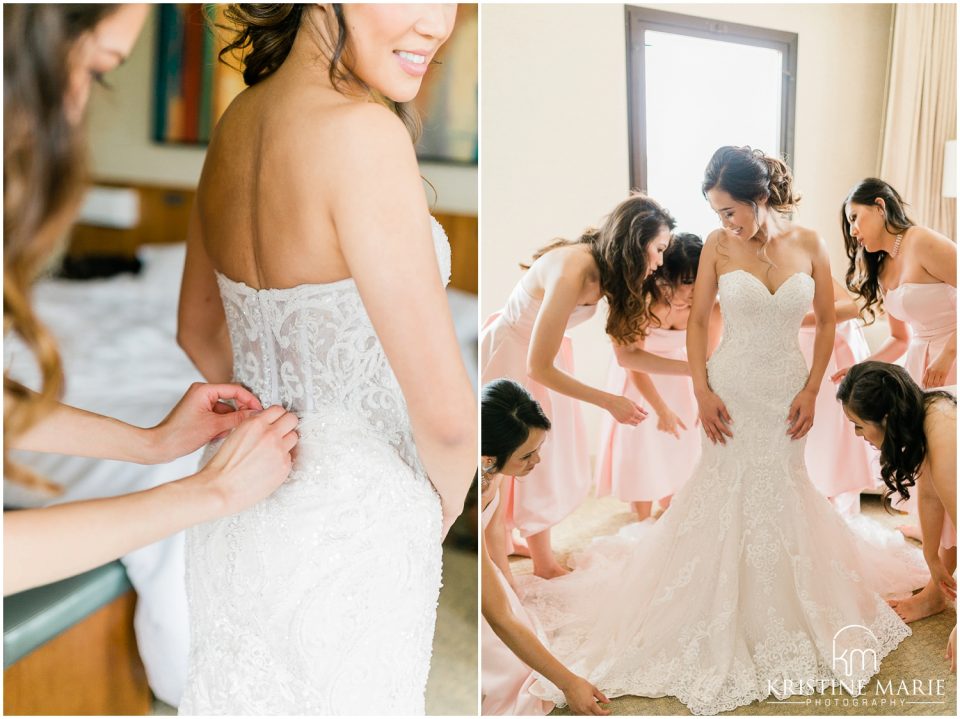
(890, 351)
(634, 359)
(714, 328)
(495, 538)
(383, 225)
(941, 430)
(713, 413)
(496, 610)
(843, 306)
(44, 545)
(199, 417)
(201, 325)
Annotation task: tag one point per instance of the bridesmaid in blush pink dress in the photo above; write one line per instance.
(526, 342)
(648, 463)
(840, 465)
(513, 431)
(911, 272)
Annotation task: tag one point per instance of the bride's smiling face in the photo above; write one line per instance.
(390, 47)
(873, 433)
(737, 218)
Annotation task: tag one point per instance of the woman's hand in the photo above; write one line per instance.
(943, 579)
(669, 422)
(952, 649)
(254, 460)
(582, 698)
(839, 375)
(199, 417)
(935, 375)
(714, 417)
(801, 412)
(625, 410)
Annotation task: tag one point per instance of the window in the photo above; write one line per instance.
(695, 85)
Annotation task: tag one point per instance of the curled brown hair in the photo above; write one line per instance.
(619, 248)
(863, 272)
(750, 176)
(264, 36)
(43, 174)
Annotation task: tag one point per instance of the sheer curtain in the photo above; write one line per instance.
(921, 112)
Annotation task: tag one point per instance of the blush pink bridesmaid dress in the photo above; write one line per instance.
(837, 460)
(561, 481)
(505, 680)
(643, 464)
(930, 309)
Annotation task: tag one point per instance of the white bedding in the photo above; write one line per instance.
(117, 338)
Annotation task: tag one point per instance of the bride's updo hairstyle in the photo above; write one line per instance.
(750, 176)
(507, 414)
(619, 248)
(44, 170)
(863, 272)
(264, 36)
(885, 393)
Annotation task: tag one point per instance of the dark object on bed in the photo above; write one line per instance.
(93, 267)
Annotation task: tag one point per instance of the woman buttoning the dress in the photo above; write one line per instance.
(916, 433)
(53, 55)
(910, 273)
(525, 341)
(839, 464)
(513, 430)
(649, 463)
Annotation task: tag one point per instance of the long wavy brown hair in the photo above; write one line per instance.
(619, 248)
(264, 35)
(43, 176)
(863, 271)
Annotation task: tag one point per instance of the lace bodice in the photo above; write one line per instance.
(313, 349)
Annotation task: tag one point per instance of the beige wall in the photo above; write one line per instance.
(554, 128)
(121, 147)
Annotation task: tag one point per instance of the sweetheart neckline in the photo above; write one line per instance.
(762, 283)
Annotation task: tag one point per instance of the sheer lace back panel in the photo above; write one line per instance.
(313, 349)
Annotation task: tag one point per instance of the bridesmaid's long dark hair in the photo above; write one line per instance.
(863, 272)
(507, 414)
(619, 248)
(877, 391)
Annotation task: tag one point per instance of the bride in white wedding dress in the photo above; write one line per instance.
(315, 276)
(750, 584)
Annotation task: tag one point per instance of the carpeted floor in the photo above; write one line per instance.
(452, 686)
(918, 659)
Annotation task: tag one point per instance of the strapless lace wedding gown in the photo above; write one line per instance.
(750, 584)
(322, 598)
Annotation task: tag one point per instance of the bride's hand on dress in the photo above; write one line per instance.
(669, 422)
(714, 417)
(625, 410)
(582, 698)
(199, 417)
(839, 375)
(254, 460)
(800, 416)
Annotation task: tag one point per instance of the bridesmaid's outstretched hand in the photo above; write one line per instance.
(200, 416)
(254, 460)
(625, 410)
(582, 698)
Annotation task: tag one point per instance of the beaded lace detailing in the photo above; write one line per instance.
(322, 598)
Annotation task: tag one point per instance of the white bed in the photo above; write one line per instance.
(117, 338)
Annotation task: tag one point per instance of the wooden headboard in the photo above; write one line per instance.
(165, 211)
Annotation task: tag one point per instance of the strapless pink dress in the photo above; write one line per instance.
(837, 460)
(931, 312)
(561, 481)
(930, 309)
(643, 464)
(504, 679)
